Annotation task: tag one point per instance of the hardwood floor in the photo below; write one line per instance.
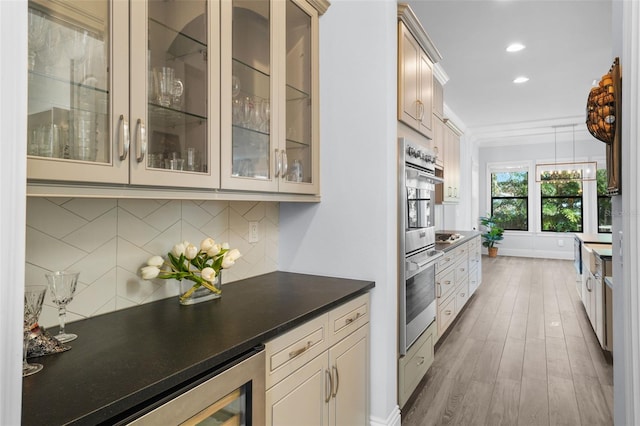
(521, 353)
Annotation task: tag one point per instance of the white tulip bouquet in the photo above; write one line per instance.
(187, 262)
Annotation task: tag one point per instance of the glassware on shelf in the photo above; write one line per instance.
(235, 86)
(37, 33)
(164, 85)
(33, 300)
(63, 287)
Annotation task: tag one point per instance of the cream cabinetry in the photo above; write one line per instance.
(438, 99)
(116, 103)
(438, 140)
(415, 83)
(414, 365)
(270, 102)
(319, 371)
(203, 95)
(457, 277)
(451, 186)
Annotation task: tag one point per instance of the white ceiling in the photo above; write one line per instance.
(568, 45)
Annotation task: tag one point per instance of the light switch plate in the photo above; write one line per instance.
(253, 232)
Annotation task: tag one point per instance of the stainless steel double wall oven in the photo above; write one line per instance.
(416, 208)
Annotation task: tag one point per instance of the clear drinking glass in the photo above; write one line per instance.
(33, 299)
(63, 287)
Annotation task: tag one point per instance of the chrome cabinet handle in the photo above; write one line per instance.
(447, 312)
(297, 352)
(438, 291)
(461, 294)
(285, 165)
(421, 361)
(277, 163)
(330, 383)
(335, 392)
(141, 145)
(124, 139)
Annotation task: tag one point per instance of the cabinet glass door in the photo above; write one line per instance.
(301, 93)
(251, 89)
(68, 82)
(170, 127)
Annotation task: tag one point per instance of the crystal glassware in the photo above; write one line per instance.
(33, 299)
(63, 287)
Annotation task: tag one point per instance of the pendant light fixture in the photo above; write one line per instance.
(565, 172)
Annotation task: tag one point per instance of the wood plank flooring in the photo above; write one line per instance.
(522, 353)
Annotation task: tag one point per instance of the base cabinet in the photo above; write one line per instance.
(327, 389)
(458, 275)
(414, 365)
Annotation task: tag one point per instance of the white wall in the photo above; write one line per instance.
(13, 129)
(534, 243)
(352, 232)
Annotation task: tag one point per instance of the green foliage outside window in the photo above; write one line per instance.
(604, 202)
(561, 206)
(509, 199)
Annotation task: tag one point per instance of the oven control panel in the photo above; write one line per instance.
(420, 155)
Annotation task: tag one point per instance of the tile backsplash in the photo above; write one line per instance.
(108, 240)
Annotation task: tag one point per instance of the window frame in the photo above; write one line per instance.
(509, 167)
(582, 209)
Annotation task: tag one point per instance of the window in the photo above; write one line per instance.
(510, 199)
(604, 202)
(561, 206)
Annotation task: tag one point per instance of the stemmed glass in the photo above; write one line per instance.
(63, 286)
(33, 299)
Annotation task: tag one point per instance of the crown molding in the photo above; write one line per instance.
(320, 5)
(406, 15)
(440, 74)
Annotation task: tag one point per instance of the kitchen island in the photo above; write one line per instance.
(125, 358)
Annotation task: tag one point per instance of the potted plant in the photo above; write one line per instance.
(493, 234)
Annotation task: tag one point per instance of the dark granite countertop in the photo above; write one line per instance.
(467, 236)
(123, 358)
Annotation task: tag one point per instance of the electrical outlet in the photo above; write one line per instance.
(253, 232)
(560, 243)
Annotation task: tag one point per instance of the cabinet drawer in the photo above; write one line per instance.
(446, 314)
(446, 261)
(461, 270)
(415, 364)
(474, 279)
(286, 353)
(461, 251)
(347, 318)
(462, 296)
(445, 284)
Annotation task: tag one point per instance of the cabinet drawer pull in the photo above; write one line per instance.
(447, 312)
(329, 386)
(141, 142)
(297, 352)
(350, 320)
(335, 392)
(461, 294)
(124, 139)
(438, 291)
(447, 282)
(421, 361)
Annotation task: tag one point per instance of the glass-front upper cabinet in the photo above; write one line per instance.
(124, 92)
(301, 104)
(269, 96)
(75, 101)
(174, 96)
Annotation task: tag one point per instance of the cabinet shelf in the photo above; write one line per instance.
(169, 117)
(183, 45)
(295, 94)
(36, 77)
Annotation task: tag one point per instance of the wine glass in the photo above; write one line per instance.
(33, 299)
(63, 286)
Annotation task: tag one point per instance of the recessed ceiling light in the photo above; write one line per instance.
(515, 47)
(519, 80)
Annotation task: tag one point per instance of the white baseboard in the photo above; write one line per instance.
(539, 254)
(392, 420)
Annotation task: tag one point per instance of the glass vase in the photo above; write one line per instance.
(189, 296)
